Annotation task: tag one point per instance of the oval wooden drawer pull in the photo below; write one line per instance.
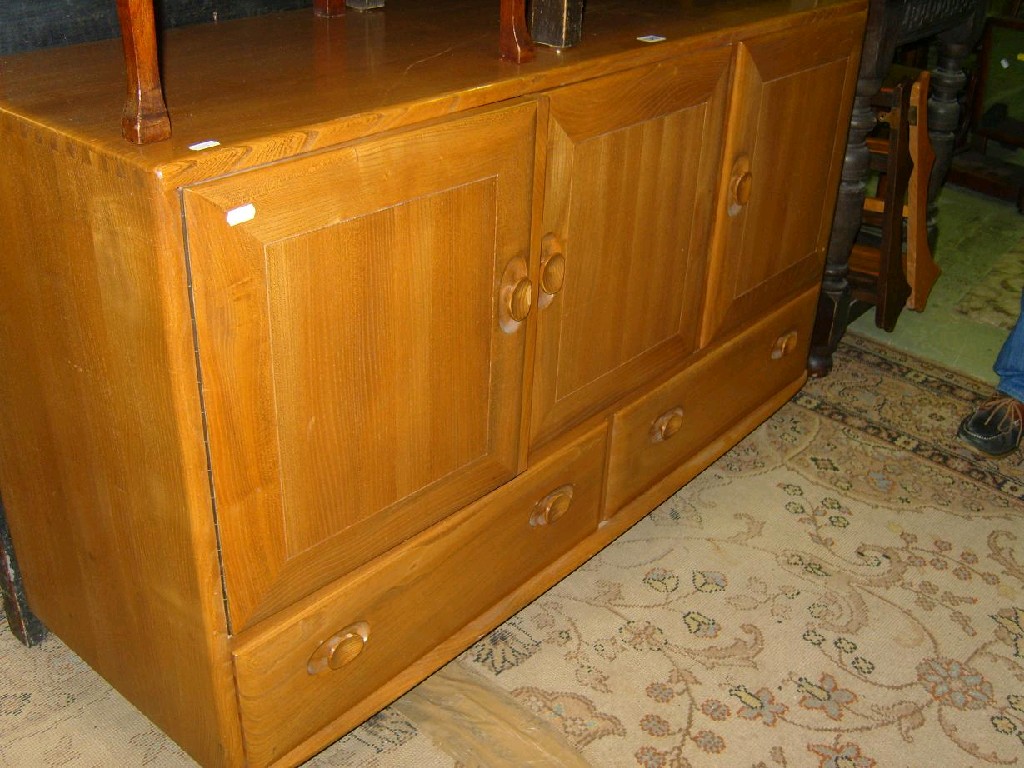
(740, 185)
(516, 296)
(339, 649)
(520, 300)
(551, 507)
(784, 345)
(666, 425)
(552, 265)
(741, 188)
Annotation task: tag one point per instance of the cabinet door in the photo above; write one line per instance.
(632, 164)
(361, 366)
(791, 103)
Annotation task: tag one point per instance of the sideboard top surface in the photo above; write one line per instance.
(269, 87)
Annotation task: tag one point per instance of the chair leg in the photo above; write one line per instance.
(145, 116)
(921, 269)
(514, 42)
(891, 288)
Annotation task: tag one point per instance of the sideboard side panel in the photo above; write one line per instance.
(102, 463)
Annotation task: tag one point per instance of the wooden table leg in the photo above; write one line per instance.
(145, 116)
(948, 83)
(834, 300)
(514, 39)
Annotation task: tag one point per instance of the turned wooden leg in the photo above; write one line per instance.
(145, 115)
(948, 83)
(514, 38)
(834, 300)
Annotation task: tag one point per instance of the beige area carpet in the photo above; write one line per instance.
(995, 299)
(844, 589)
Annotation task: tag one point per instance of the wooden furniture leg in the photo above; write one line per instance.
(876, 273)
(834, 303)
(145, 116)
(514, 41)
(948, 82)
(22, 622)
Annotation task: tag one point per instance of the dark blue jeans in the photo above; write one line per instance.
(1010, 361)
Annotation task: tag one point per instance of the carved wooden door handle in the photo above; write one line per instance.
(520, 300)
(516, 296)
(551, 507)
(552, 264)
(741, 181)
(339, 649)
(666, 425)
(784, 345)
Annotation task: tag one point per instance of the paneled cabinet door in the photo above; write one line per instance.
(360, 321)
(792, 96)
(631, 174)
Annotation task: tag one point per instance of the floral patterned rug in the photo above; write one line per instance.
(844, 589)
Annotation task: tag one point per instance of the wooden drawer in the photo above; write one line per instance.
(658, 432)
(390, 613)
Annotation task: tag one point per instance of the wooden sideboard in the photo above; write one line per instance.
(390, 335)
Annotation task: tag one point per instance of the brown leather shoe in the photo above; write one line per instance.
(995, 427)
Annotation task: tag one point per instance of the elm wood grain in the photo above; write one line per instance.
(614, 523)
(630, 160)
(435, 64)
(610, 528)
(145, 316)
(338, 344)
(144, 118)
(410, 600)
(102, 460)
(783, 157)
(703, 401)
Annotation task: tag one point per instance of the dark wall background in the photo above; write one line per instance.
(29, 24)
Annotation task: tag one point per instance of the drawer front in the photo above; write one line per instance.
(661, 430)
(305, 673)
